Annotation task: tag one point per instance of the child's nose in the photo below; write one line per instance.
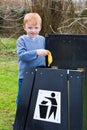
(33, 30)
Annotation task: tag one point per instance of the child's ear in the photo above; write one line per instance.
(40, 28)
(23, 25)
(24, 28)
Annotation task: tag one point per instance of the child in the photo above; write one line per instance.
(30, 47)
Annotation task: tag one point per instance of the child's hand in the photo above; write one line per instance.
(42, 52)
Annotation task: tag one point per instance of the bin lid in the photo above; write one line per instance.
(68, 51)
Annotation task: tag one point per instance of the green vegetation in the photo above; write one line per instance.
(7, 44)
(8, 85)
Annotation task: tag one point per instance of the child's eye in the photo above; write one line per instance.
(29, 27)
(36, 27)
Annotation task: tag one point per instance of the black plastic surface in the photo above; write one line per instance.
(68, 51)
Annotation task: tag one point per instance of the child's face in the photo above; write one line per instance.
(32, 30)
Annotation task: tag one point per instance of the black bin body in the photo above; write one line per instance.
(41, 86)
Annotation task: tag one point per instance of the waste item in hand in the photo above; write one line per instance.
(50, 58)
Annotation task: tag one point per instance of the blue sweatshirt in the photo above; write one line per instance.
(26, 51)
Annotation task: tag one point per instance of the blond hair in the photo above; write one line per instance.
(33, 18)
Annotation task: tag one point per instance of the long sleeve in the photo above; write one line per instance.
(25, 53)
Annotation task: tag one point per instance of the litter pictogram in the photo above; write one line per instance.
(48, 106)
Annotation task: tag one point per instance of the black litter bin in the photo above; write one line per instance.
(56, 98)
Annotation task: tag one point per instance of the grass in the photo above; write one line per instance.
(8, 85)
(7, 43)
